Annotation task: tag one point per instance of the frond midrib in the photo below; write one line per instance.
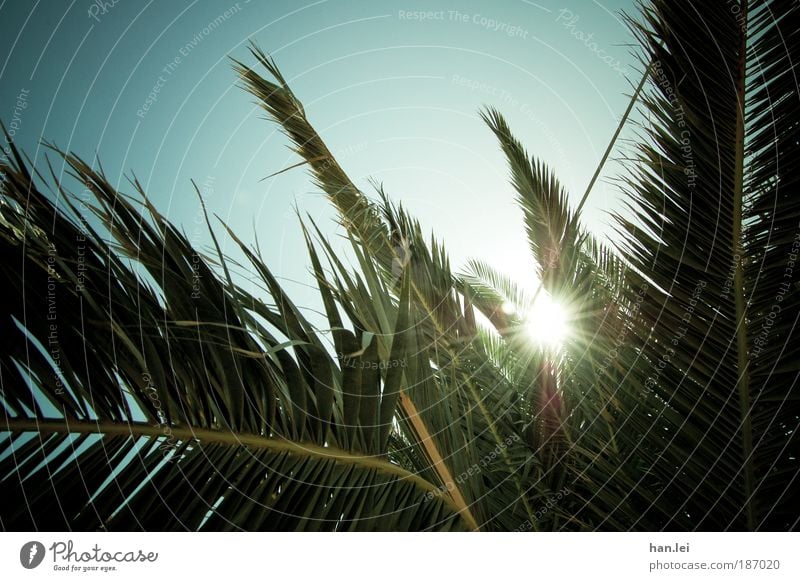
(141, 429)
(740, 301)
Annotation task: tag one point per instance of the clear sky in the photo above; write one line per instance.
(395, 93)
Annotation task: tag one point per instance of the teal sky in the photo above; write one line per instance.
(395, 96)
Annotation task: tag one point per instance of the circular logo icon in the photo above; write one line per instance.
(31, 554)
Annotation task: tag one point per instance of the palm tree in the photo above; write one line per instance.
(144, 388)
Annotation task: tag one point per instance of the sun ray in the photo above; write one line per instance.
(547, 322)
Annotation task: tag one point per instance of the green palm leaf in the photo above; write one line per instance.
(144, 388)
(155, 394)
(711, 159)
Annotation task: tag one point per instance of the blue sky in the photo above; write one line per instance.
(393, 87)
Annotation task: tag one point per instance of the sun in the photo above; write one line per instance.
(547, 322)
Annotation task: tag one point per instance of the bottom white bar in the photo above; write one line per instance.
(400, 556)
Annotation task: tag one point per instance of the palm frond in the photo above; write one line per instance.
(157, 394)
(693, 239)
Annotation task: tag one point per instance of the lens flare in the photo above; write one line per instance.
(547, 322)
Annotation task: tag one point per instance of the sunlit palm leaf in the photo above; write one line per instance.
(144, 390)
